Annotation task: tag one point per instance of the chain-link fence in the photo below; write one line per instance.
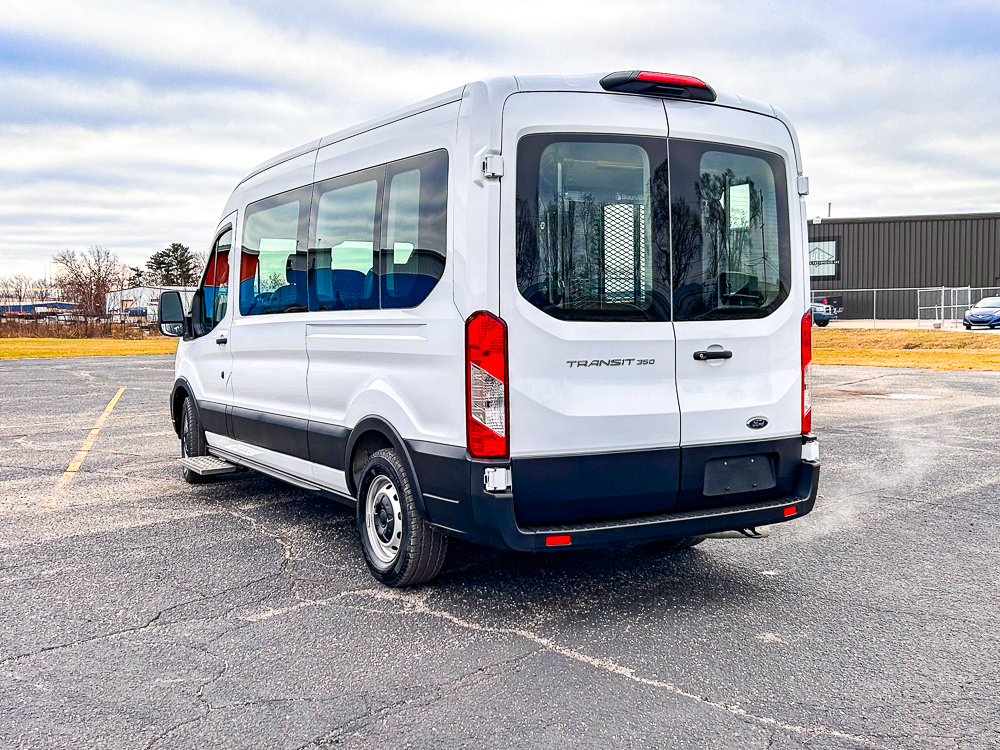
(935, 307)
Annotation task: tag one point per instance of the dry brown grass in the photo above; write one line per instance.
(29, 348)
(936, 350)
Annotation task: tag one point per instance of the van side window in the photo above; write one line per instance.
(593, 226)
(215, 285)
(341, 262)
(413, 255)
(731, 245)
(273, 258)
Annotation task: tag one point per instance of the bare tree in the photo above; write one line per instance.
(41, 289)
(85, 279)
(20, 288)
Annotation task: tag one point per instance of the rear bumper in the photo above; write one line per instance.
(456, 502)
(499, 528)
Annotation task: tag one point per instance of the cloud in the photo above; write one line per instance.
(127, 124)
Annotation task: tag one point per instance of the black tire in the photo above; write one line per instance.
(403, 550)
(822, 323)
(968, 328)
(192, 440)
(675, 545)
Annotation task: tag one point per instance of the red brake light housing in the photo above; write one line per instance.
(806, 372)
(667, 85)
(487, 415)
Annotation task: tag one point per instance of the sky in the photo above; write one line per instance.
(128, 124)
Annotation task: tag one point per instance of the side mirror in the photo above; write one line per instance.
(171, 314)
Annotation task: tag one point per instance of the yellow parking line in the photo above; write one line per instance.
(74, 465)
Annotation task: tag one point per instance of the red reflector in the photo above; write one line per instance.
(790, 511)
(557, 541)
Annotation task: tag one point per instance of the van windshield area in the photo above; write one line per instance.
(605, 231)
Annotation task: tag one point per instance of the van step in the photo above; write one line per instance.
(208, 465)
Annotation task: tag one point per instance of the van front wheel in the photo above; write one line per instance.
(400, 547)
(192, 440)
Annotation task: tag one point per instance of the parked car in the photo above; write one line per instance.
(986, 312)
(535, 368)
(823, 314)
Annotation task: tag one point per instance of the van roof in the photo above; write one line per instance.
(590, 82)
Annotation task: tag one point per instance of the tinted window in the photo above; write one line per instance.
(341, 264)
(731, 253)
(592, 226)
(413, 256)
(273, 259)
(215, 285)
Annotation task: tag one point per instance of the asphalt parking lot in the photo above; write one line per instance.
(139, 612)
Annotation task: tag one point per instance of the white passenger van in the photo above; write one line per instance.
(535, 312)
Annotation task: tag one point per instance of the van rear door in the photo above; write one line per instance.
(594, 419)
(739, 299)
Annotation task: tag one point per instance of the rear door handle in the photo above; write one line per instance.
(717, 354)
(222, 340)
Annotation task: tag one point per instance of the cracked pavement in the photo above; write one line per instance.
(141, 612)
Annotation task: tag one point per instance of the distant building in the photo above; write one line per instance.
(903, 253)
(141, 303)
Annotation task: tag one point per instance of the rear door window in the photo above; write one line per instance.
(273, 259)
(593, 226)
(731, 247)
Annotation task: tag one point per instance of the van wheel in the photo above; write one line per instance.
(192, 440)
(400, 547)
(675, 545)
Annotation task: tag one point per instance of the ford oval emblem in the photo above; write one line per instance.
(757, 423)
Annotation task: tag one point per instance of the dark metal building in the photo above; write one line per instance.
(902, 253)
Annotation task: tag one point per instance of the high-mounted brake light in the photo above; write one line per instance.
(658, 84)
(807, 322)
(487, 418)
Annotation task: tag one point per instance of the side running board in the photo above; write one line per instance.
(208, 465)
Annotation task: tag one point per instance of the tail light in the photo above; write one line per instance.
(486, 386)
(807, 355)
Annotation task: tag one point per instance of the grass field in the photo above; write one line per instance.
(32, 348)
(935, 350)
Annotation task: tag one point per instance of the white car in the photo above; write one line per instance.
(536, 312)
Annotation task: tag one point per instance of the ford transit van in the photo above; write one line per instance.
(536, 313)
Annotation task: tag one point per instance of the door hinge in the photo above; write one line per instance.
(493, 166)
(803, 185)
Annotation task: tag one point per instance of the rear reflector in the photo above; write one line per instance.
(658, 84)
(791, 511)
(557, 541)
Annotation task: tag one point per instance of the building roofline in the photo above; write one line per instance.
(916, 217)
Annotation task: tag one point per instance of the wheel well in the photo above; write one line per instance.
(177, 401)
(369, 443)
